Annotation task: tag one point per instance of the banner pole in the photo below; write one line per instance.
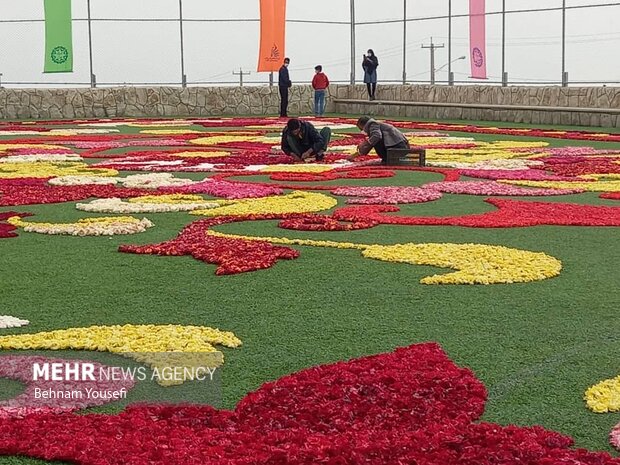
(90, 45)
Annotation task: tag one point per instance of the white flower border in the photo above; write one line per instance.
(116, 205)
(7, 321)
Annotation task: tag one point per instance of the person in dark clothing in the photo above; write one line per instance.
(381, 137)
(369, 64)
(301, 140)
(284, 82)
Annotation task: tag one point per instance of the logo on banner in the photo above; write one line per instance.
(477, 57)
(275, 54)
(60, 54)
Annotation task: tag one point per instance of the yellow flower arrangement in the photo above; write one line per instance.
(601, 177)
(157, 346)
(435, 140)
(162, 123)
(103, 226)
(476, 263)
(34, 147)
(49, 170)
(170, 198)
(604, 397)
(591, 186)
(216, 140)
(169, 132)
(314, 168)
(295, 202)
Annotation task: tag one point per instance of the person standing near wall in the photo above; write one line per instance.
(284, 83)
(320, 82)
(370, 64)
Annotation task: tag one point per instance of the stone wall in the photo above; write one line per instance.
(573, 105)
(257, 101)
(149, 102)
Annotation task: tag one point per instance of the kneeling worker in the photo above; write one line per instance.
(301, 140)
(381, 137)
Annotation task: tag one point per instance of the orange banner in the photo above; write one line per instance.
(272, 27)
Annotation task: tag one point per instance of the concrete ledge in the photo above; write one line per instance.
(482, 106)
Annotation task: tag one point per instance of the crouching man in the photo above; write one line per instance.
(301, 140)
(381, 137)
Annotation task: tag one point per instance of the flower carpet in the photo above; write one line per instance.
(464, 312)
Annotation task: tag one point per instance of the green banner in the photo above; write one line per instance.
(58, 37)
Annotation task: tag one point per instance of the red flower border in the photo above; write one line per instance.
(411, 406)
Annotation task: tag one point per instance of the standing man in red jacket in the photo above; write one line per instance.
(319, 84)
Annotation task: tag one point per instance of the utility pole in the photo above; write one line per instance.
(241, 73)
(432, 48)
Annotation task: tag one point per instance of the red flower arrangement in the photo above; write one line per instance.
(412, 406)
(231, 255)
(449, 175)
(6, 230)
(583, 167)
(27, 191)
(533, 132)
(311, 222)
(517, 175)
(355, 173)
(510, 214)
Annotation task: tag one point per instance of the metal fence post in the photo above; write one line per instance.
(450, 74)
(564, 74)
(352, 43)
(504, 75)
(183, 77)
(90, 45)
(404, 42)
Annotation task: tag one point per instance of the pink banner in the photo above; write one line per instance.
(477, 39)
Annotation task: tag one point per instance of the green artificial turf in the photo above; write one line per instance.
(535, 346)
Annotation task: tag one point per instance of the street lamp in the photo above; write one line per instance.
(450, 62)
(450, 74)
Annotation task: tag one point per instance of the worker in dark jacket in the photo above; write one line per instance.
(284, 83)
(301, 140)
(381, 137)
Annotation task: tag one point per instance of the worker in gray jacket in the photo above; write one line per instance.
(381, 137)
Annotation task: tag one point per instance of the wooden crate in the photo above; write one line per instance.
(406, 157)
